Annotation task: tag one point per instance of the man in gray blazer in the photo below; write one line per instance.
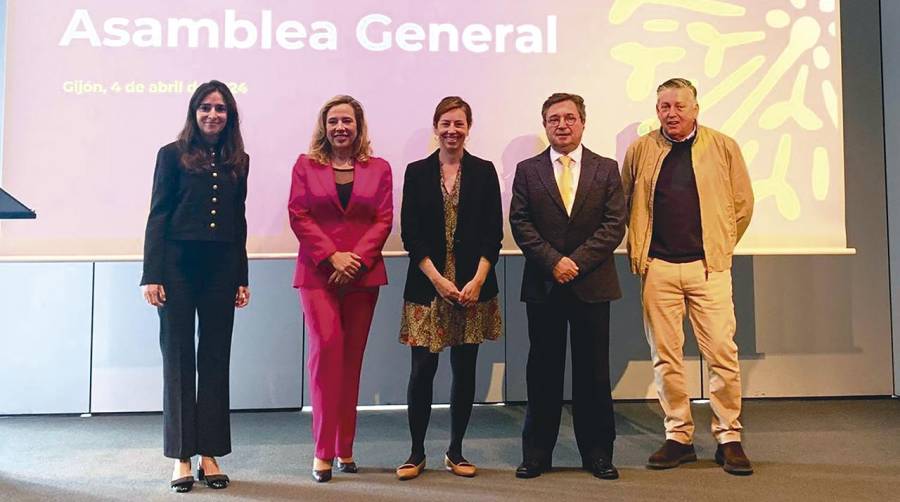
(568, 215)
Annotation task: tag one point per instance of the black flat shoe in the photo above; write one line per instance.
(349, 467)
(182, 485)
(214, 481)
(322, 476)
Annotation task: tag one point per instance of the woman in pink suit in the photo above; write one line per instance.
(341, 211)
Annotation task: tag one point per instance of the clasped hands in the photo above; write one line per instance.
(466, 297)
(565, 270)
(346, 265)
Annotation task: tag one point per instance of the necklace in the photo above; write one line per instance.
(444, 188)
(349, 167)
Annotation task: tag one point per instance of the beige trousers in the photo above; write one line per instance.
(666, 290)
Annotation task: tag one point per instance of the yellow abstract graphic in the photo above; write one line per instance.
(728, 85)
(661, 25)
(777, 18)
(821, 173)
(821, 58)
(793, 108)
(644, 60)
(831, 101)
(706, 34)
(777, 186)
(804, 35)
(622, 10)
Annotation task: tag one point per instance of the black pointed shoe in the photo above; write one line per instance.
(322, 476)
(349, 467)
(214, 481)
(672, 454)
(182, 485)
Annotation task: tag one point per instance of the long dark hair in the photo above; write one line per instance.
(231, 143)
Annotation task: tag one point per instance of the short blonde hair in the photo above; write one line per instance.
(320, 148)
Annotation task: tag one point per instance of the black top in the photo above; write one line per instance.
(479, 225)
(677, 232)
(344, 191)
(206, 206)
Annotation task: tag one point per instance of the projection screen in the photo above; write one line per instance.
(95, 87)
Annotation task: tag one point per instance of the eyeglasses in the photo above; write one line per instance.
(554, 120)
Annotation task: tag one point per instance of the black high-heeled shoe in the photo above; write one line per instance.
(182, 485)
(322, 475)
(349, 467)
(214, 481)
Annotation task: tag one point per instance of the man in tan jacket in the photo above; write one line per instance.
(690, 200)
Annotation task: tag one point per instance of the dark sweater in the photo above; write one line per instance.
(185, 206)
(677, 232)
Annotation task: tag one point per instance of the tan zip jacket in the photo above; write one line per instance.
(723, 186)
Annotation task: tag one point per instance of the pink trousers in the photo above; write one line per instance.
(337, 326)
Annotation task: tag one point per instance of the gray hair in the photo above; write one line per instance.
(677, 83)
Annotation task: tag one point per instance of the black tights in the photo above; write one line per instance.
(419, 396)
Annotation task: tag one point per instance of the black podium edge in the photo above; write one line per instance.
(22, 214)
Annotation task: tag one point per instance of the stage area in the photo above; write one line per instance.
(802, 450)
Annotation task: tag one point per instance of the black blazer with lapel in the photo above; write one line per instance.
(546, 234)
(479, 227)
(207, 206)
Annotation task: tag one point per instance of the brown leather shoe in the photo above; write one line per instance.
(732, 458)
(672, 454)
(409, 471)
(463, 468)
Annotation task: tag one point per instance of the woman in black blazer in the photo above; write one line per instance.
(451, 225)
(195, 263)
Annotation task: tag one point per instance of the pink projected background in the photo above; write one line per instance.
(85, 111)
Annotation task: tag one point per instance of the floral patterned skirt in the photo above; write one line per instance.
(441, 324)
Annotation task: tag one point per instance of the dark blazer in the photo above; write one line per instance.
(208, 206)
(546, 234)
(479, 227)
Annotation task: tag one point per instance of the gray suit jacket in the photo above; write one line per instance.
(546, 234)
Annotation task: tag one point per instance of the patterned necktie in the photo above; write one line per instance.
(567, 183)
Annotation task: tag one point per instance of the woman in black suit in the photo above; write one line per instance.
(451, 225)
(195, 263)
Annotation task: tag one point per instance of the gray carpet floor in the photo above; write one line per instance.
(802, 450)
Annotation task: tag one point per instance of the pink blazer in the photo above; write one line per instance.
(323, 227)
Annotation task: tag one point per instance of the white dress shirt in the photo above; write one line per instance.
(574, 165)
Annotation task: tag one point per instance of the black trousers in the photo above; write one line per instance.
(462, 394)
(200, 281)
(592, 408)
